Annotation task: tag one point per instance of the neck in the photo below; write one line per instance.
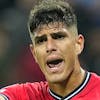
(69, 85)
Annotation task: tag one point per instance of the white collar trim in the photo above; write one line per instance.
(74, 93)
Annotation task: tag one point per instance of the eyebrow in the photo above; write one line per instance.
(60, 32)
(52, 34)
(37, 38)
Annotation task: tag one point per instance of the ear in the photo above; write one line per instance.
(79, 44)
(33, 51)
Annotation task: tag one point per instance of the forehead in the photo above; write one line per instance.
(51, 28)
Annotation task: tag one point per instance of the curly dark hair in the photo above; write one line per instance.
(51, 11)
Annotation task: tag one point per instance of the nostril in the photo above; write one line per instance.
(47, 51)
(50, 50)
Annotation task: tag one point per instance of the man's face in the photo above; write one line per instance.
(55, 51)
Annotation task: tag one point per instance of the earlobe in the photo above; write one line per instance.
(79, 44)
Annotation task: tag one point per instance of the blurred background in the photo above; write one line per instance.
(16, 62)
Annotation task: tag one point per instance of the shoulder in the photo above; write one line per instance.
(95, 78)
(94, 82)
(36, 86)
(91, 90)
(22, 89)
(6, 92)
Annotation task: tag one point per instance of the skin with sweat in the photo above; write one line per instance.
(56, 42)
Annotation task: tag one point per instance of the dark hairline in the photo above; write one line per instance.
(41, 8)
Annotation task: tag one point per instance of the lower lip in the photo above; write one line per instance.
(57, 68)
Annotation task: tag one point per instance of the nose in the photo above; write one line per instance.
(50, 46)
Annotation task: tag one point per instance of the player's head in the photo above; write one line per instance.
(56, 43)
(50, 11)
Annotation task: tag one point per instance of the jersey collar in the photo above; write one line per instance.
(75, 92)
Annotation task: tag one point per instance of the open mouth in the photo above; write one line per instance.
(54, 63)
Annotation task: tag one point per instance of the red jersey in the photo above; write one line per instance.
(88, 90)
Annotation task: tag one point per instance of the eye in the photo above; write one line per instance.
(40, 40)
(58, 36)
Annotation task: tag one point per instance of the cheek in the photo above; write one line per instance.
(68, 51)
(68, 48)
(39, 58)
(40, 55)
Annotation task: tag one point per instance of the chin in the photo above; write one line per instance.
(56, 79)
